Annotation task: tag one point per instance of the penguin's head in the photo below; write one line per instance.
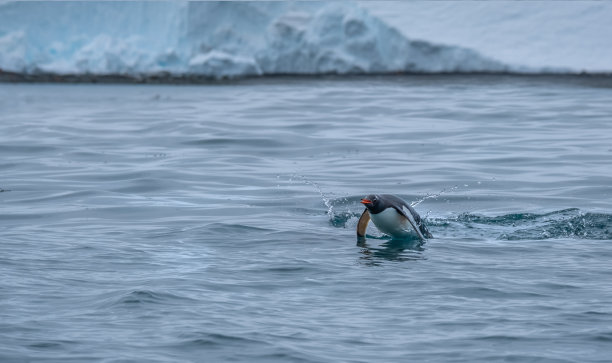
(373, 202)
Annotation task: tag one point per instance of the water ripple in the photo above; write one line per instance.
(166, 223)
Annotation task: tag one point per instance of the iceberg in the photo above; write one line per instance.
(562, 36)
(216, 40)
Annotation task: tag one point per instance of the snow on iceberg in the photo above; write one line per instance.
(559, 36)
(215, 39)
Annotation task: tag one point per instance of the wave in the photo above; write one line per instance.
(216, 40)
(567, 223)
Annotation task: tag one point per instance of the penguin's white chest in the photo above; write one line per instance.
(392, 223)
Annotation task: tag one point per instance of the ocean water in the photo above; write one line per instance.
(216, 223)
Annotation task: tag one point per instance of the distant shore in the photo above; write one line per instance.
(604, 78)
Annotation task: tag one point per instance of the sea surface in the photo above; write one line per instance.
(216, 222)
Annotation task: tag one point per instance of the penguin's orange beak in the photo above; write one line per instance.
(366, 201)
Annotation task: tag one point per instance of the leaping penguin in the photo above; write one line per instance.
(392, 216)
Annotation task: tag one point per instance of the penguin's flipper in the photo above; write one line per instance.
(362, 225)
(418, 222)
(413, 218)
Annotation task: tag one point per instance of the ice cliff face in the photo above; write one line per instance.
(215, 39)
(563, 36)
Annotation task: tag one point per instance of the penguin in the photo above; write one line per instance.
(392, 216)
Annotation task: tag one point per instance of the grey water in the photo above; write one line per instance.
(216, 222)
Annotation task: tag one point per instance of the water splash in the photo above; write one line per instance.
(327, 198)
(434, 195)
(566, 223)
